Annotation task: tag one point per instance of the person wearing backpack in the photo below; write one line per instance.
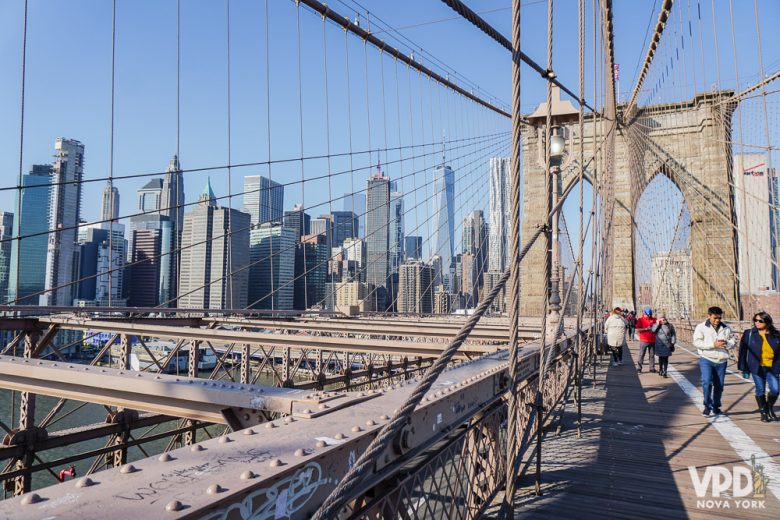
(759, 356)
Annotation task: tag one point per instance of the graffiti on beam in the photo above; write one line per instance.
(152, 491)
(282, 500)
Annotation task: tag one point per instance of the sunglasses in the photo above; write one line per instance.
(759, 321)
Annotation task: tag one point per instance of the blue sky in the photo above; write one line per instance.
(69, 77)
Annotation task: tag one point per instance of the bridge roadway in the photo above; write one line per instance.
(640, 435)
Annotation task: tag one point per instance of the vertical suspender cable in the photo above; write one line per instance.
(269, 190)
(229, 302)
(580, 286)
(18, 223)
(110, 270)
(772, 178)
(302, 226)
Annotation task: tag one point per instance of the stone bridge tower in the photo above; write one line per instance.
(689, 142)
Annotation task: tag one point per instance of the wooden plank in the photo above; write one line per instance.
(641, 432)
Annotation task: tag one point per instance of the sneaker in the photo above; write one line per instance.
(614, 363)
(706, 412)
(666, 375)
(620, 363)
(652, 370)
(718, 411)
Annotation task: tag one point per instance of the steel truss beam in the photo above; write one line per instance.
(299, 458)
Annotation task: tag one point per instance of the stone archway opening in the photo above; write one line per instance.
(663, 268)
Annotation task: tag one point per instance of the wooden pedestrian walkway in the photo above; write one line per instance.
(641, 435)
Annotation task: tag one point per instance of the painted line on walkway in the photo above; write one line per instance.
(738, 375)
(740, 442)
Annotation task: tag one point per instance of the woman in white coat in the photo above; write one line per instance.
(616, 329)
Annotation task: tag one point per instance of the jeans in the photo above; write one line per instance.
(713, 377)
(765, 378)
(617, 353)
(650, 348)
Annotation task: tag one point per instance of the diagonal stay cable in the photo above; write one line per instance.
(463, 10)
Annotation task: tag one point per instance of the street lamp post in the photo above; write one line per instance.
(557, 149)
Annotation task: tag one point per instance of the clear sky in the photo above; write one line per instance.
(68, 88)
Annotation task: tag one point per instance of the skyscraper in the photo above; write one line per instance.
(109, 204)
(378, 235)
(101, 257)
(272, 250)
(150, 257)
(65, 213)
(6, 236)
(396, 227)
(475, 240)
(172, 206)
(500, 202)
(755, 186)
(443, 219)
(413, 247)
(172, 196)
(415, 290)
(311, 266)
(215, 256)
(672, 282)
(28, 255)
(297, 220)
(150, 196)
(263, 199)
(356, 202)
(345, 225)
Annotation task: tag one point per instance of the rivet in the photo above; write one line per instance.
(225, 439)
(248, 475)
(250, 431)
(424, 399)
(197, 447)
(214, 489)
(395, 412)
(289, 419)
(165, 457)
(338, 436)
(370, 422)
(270, 425)
(173, 506)
(158, 377)
(360, 394)
(306, 410)
(139, 375)
(357, 429)
(384, 417)
(189, 382)
(31, 498)
(324, 406)
(127, 468)
(321, 444)
(275, 463)
(84, 482)
(300, 452)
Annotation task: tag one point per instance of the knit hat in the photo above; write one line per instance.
(648, 310)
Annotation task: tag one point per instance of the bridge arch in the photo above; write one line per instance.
(687, 142)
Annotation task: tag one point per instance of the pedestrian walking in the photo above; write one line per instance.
(616, 328)
(713, 339)
(631, 323)
(665, 338)
(644, 326)
(759, 356)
